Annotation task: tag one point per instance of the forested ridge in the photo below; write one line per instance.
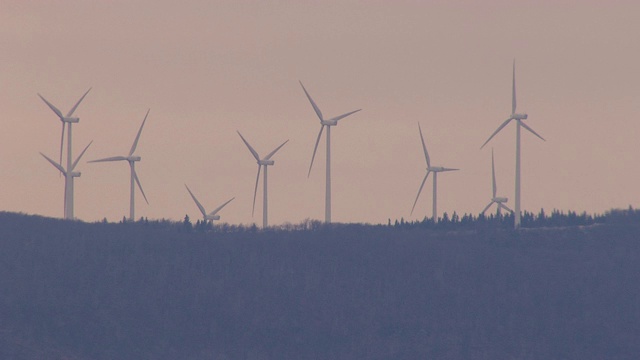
(465, 288)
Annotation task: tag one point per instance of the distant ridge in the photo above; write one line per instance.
(162, 290)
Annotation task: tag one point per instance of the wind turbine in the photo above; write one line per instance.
(212, 215)
(66, 119)
(499, 201)
(69, 175)
(132, 165)
(518, 118)
(266, 161)
(430, 169)
(328, 123)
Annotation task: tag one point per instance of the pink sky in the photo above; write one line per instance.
(207, 69)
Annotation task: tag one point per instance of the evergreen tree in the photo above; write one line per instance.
(186, 224)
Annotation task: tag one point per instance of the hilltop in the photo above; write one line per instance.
(162, 290)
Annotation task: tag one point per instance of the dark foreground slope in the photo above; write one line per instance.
(73, 290)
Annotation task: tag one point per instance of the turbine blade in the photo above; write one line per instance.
(214, 212)
(493, 174)
(315, 149)
(253, 151)
(135, 176)
(135, 142)
(505, 207)
(487, 207)
(55, 109)
(424, 147)
(202, 210)
(113, 158)
(274, 151)
(62, 141)
(73, 109)
(497, 131)
(420, 190)
(344, 115)
(255, 191)
(58, 166)
(531, 130)
(65, 200)
(313, 103)
(80, 156)
(513, 99)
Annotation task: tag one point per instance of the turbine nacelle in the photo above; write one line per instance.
(500, 199)
(133, 158)
(439, 169)
(70, 119)
(519, 116)
(214, 217)
(266, 162)
(329, 122)
(76, 174)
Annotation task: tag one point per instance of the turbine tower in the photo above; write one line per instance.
(212, 215)
(266, 161)
(518, 118)
(328, 123)
(499, 201)
(69, 175)
(132, 165)
(68, 172)
(430, 169)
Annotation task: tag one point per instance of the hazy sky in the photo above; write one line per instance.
(209, 68)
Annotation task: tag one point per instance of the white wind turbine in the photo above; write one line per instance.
(518, 118)
(212, 215)
(132, 165)
(266, 161)
(66, 119)
(499, 201)
(430, 169)
(328, 123)
(69, 175)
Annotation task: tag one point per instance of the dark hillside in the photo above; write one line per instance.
(151, 290)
